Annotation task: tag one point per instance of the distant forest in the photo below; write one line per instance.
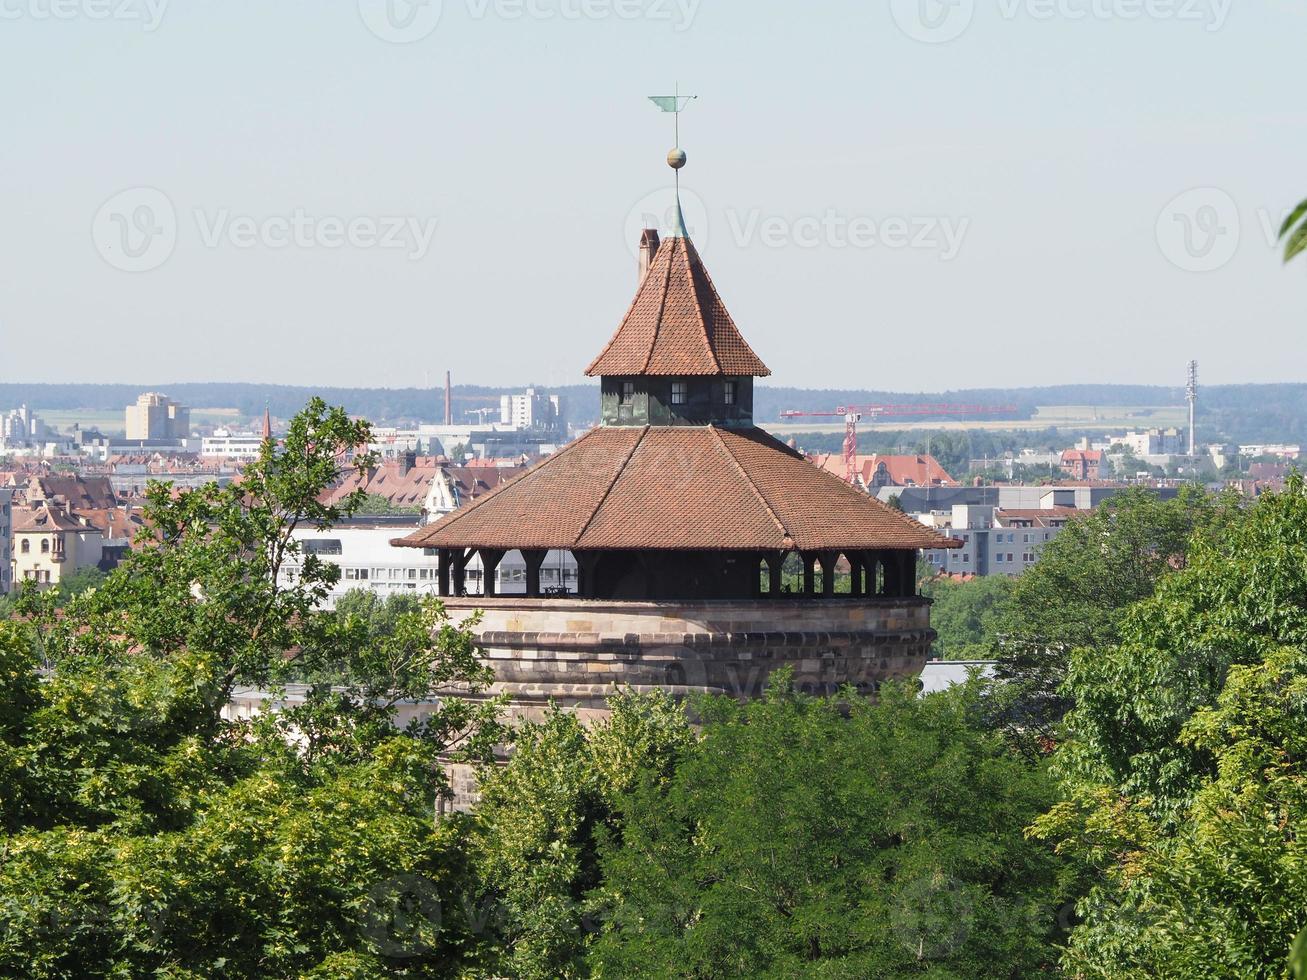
(1236, 413)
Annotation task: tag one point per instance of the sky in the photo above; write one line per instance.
(910, 195)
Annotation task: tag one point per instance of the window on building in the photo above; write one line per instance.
(45, 545)
(628, 392)
(322, 546)
(1009, 556)
(27, 546)
(680, 392)
(728, 393)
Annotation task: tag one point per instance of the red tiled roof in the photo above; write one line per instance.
(89, 492)
(45, 518)
(410, 489)
(1091, 456)
(677, 324)
(875, 469)
(677, 488)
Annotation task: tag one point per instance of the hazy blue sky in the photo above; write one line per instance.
(906, 195)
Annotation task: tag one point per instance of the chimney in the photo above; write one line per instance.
(449, 400)
(649, 243)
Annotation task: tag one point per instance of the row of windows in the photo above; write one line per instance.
(680, 392)
(26, 546)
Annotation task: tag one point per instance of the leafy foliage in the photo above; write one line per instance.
(1085, 579)
(1294, 232)
(541, 820)
(143, 834)
(965, 614)
(833, 837)
(1182, 772)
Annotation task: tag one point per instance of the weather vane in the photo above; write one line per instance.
(674, 104)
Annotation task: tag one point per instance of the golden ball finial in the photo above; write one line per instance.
(676, 159)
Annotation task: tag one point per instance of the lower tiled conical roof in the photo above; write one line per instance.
(677, 488)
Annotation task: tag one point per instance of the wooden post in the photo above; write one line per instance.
(444, 558)
(893, 574)
(828, 573)
(809, 579)
(855, 573)
(586, 561)
(461, 557)
(534, 558)
(775, 569)
(490, 559)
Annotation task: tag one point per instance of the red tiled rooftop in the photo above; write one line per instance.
(677, 488)
(677, 324)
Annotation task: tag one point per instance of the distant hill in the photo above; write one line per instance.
(1238, 413)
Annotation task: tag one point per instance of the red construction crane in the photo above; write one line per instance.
(853, 414)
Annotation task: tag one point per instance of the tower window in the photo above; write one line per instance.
(728, 393)
(628, 392)
(680, 392)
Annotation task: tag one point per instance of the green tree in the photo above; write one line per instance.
(541, 819)
(374, 504)
(834, 837)
(1181, 774)
(143, 834)
(1294, 232)
(964, 614)
(1097, 566)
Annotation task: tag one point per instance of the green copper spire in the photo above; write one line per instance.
(676, 159)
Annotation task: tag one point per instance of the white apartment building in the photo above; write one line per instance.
(367, 560)
(243, 447)
(532, 410)
(1155, 442)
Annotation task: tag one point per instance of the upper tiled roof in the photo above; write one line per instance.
(677, 325)
(677, 488)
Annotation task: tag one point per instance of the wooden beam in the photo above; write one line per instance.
(534, 558)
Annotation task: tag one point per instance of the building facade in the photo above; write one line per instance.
(6, 540)
(157, 417)
(49, 544)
